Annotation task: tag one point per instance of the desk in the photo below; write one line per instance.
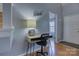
(32, 39)
(38, 39)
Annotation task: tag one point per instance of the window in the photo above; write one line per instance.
(52, 26)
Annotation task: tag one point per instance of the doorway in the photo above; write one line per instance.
(53, 25)
(53, 32)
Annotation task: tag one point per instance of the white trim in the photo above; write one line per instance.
(28, 52)
(22, 54)
(56, 29)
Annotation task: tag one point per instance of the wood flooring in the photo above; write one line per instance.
(62, 50)
(65, 50)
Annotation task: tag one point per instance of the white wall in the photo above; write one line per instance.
(71, 29)
(43, 23)
(71, 23)
(1, 7)
(5, 33)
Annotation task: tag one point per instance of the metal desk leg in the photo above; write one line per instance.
(33, 49)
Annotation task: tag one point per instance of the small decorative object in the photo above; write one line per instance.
(31, 32)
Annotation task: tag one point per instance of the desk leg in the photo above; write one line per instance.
(30, 49)
(33, 49)
(27, 49)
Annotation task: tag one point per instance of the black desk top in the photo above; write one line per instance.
(41, 38)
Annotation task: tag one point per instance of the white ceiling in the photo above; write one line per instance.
(70, 8)
(27, 9)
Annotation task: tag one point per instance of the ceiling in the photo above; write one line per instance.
(27, 9)
(70, 9)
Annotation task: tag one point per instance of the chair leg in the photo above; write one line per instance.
(42, 52)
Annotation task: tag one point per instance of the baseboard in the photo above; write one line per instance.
(70, 44)
(24, 54)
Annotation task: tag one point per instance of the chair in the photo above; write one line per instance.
(43, 43)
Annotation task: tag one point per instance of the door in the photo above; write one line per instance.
(71, 29)
(52, 30)
(52, 25)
